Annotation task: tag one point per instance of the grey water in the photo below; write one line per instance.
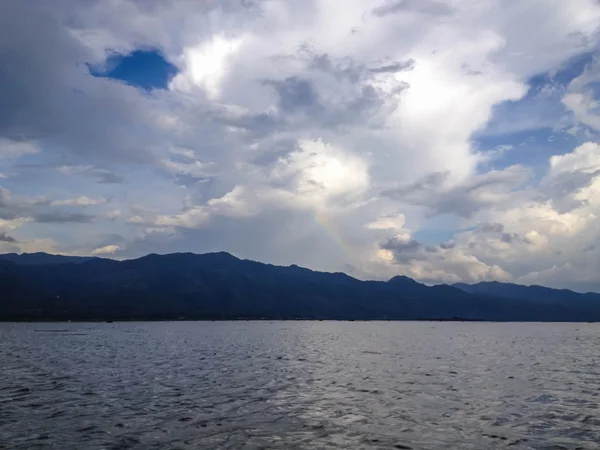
(189, 385)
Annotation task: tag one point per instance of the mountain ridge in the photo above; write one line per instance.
(221, 286)
(39, 258)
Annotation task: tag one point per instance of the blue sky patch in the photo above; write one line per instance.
(145, 69)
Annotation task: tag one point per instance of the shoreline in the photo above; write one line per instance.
(141, 320)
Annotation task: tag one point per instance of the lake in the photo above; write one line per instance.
(188, 385)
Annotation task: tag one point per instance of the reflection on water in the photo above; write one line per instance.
(188, 385)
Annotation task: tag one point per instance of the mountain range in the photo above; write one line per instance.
(215, 286)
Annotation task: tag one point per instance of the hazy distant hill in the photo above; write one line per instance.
(538, 295)
(532, 293)
(221, 286)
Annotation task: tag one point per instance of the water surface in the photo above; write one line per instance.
(188, 385)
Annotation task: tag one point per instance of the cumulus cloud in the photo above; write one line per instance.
(518, 234)
(318, 173)
(585, 158)
(444, 263)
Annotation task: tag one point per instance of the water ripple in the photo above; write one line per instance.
(299, 385)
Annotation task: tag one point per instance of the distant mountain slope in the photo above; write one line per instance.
(221, 286)
(520, 291)
(539, 295)
(41, 258)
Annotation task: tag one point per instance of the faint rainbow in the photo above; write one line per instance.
(334, 233)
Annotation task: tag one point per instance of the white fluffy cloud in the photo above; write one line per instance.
(106, 250)
(15, 149)
(585, 158)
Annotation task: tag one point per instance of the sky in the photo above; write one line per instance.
(449, 141)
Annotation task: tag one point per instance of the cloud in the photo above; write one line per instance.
(205, 65)
(78, 201)
(580, 96)
(62, 217)
(444, 263)
(395, 67)
(194, 169)
(106, 250)
(318, 173)
(232, 204)
(585, 158)
(102, 176)
(6, 238)
(336, 94)
(490, 228)
(431, 7)
(113, 214)
(401, 246)
(441, 196)
(521, 234)
(15, 149)
(393, 221)
(49, 96)
(12, 224)
(296, 94)
(22, 210)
